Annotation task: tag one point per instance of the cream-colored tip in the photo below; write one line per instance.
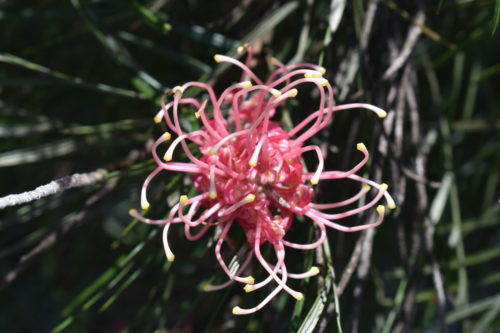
(314, 270)
(381, 209)
(183, 199)
(293, 92)
(167, 136)
(212, 195)
(382, 114)
(322, 82)
(246, 84)
(365, 188)
(299, 296)
(240, 49)
(171, 258)
(250, 198)
(177, 90)
(157, 118)
(144, 200)
(248, 288)
(250, 280)
(197, 115)
(275, 92)
(217, 58)
(167, 157)
(237, 310)
(312, 74)
(314, 180)
(391, 205)
(206, 286)
(383, 187)
(361, 146)
(321, 69)
(132, 212)
(252, 163)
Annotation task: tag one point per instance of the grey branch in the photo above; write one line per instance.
(55, 186)
(53, 236)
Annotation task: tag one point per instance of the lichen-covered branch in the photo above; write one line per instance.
(55, 186)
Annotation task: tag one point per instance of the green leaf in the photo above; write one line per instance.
(74, 80)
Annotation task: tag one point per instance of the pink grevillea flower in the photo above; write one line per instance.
(248, 170)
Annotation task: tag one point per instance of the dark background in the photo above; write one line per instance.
(80, 82)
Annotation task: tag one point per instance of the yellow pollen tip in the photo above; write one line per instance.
(381, 209)
(212, 195)
(314, 270)
(293, 92)
(171, 258)
(361, 146)
(366, 187)
(391, 205)
(276, 93)
(177, 90)
(299, 296)
(321, 69)
(246, 84)
(132, 211)
(322, 82)
(252, 163)
(250, 198)
(237, 310)
(157, 119)
(272, 61)
(312, 74)
(183, 199)
(206, 286)
(167, 136)
(197, 115)
(167, 157)
(250, 279)
(240, 49)
(314, 180)
(384, 187)
(145, 206)
(382, 114)
(248, 288)
(217, 58)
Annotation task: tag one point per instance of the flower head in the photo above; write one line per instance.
(248, 170)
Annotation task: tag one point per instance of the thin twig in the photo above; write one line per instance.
(52, 237)
(353, 263)
(367, 26)
(425, 29)
(422, 208)
(407, 309)
(410, 42)
(55, 186)
(363, 269)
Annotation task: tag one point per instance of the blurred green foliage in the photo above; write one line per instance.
(81, 80)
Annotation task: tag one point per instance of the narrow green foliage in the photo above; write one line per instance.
(80, 84)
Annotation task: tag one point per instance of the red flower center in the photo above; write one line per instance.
(276, 180)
